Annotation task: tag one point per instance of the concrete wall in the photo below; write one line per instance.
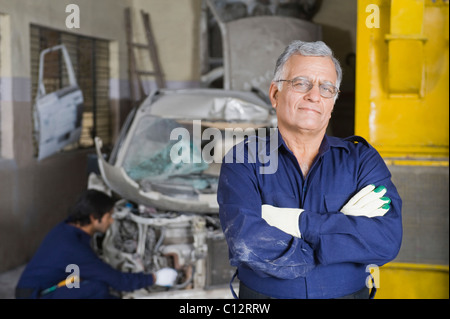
(338, 21)
(34, 195)
(176, 28)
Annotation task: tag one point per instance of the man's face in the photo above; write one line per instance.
(104, 223)
(304, 111)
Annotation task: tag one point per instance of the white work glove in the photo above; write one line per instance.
(166, 277)
(285, 219)
(368, 202)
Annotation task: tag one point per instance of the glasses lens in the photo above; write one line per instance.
(301, 85)
(327, 90)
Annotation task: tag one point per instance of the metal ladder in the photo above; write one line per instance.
(135, 75)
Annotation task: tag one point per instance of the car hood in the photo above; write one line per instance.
(143, 171)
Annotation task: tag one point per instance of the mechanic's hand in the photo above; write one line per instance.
(285, 219)
(368, 202)
(166, 277)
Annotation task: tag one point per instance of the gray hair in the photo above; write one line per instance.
(317, 48)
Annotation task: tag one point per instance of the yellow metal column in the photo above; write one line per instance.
(402, 109)
(406, 49)
(402, 99)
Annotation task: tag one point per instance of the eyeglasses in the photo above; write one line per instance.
(303, 85)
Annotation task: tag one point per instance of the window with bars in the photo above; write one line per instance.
(1, 86)
(90, 60)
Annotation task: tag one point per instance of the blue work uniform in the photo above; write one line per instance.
(330, 258)
(68, 245)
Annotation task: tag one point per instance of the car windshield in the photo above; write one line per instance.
(148, 160)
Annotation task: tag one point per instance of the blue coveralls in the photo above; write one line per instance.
(68, 245)
(330, 259)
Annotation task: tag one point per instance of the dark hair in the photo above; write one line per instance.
(90, 202)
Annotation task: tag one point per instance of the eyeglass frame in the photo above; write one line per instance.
(302, 78)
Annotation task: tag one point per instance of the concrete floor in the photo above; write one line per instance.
(8, 281)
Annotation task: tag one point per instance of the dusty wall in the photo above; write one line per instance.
(34, 195)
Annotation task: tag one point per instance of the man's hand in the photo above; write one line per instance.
(166, 277)
(285, 219)
(368, 202)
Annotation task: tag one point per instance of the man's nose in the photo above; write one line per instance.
(314, 94)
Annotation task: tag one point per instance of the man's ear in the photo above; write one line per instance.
(92, 219)
(273, 94)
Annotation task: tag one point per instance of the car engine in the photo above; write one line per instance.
(143, 239)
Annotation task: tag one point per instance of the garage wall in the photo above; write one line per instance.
(176, 28)
(34, 195)
(338, 21)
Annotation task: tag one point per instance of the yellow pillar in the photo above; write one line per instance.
(402, 96)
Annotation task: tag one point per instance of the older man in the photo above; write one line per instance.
(309, 228)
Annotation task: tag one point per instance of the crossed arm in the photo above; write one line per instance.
(288, 242)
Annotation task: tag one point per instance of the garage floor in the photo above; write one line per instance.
(8, 281)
